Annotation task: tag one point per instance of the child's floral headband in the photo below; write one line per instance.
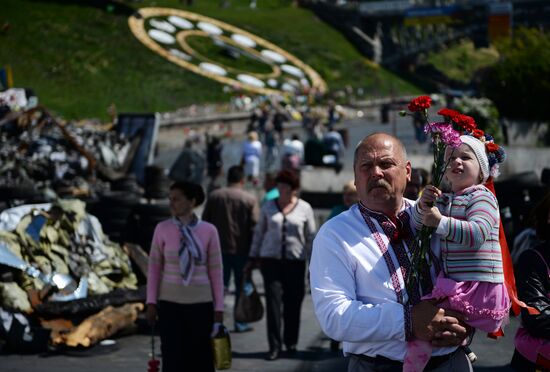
(495, 153)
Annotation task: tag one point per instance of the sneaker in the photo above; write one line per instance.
(242, 328)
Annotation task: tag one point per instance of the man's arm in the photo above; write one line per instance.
(309, 231)
(254, 213)
(341, 315)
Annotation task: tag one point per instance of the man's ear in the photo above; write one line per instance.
(409, 170)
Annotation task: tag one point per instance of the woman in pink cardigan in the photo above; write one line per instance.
(185, 283)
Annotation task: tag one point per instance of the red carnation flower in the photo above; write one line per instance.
(448, 113)
(466, 122)
(478, 133)
(492, 147)
(420, 103)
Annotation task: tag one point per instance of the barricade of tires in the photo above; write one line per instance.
(129, 213)
(10, 196)
(143, 220)
(113, 209)
(128, 184)
(157, 183)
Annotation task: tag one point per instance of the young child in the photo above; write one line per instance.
(467, 221)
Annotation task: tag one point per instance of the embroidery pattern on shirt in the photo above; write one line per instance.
(396, 235)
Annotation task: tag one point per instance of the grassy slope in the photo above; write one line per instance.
(462, 60)
(79, 59)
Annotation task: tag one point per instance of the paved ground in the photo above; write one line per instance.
(131, 353)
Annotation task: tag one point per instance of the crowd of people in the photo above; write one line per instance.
(268, 143)
(358, 262)
(322, 143)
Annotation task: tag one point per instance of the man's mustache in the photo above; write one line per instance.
(378, 183)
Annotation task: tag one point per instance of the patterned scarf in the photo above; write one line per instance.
(190, 252)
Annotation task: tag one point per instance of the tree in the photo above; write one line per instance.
(519, 84)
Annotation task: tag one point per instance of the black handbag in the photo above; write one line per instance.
(249, 307)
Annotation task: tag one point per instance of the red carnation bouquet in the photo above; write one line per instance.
(443, 134)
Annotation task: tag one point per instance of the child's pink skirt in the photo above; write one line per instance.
(484, 305)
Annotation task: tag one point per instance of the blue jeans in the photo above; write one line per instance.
(233, 263)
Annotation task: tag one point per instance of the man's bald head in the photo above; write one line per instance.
(374, 137)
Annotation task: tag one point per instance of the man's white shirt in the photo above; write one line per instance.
(353, 295)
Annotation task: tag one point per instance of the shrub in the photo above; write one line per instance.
(519, 83)
(484, 112)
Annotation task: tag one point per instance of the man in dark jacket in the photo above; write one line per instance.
(234, 212)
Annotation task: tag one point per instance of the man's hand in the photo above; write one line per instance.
(250, 265)
(218, 316)
(441, 327)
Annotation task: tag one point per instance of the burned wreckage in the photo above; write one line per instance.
(74, 228)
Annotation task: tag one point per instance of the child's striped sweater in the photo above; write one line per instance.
(470, 246)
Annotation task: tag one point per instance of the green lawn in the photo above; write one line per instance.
(205, 47)
(79, 59)
(461, 61)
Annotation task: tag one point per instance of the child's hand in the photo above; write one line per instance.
(428, 197)
(431, 217)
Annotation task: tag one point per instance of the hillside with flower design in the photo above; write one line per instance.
(80, 56)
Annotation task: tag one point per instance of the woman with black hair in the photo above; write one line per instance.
(185, 283)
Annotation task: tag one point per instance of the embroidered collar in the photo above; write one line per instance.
(396, 236)
(396, 228)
